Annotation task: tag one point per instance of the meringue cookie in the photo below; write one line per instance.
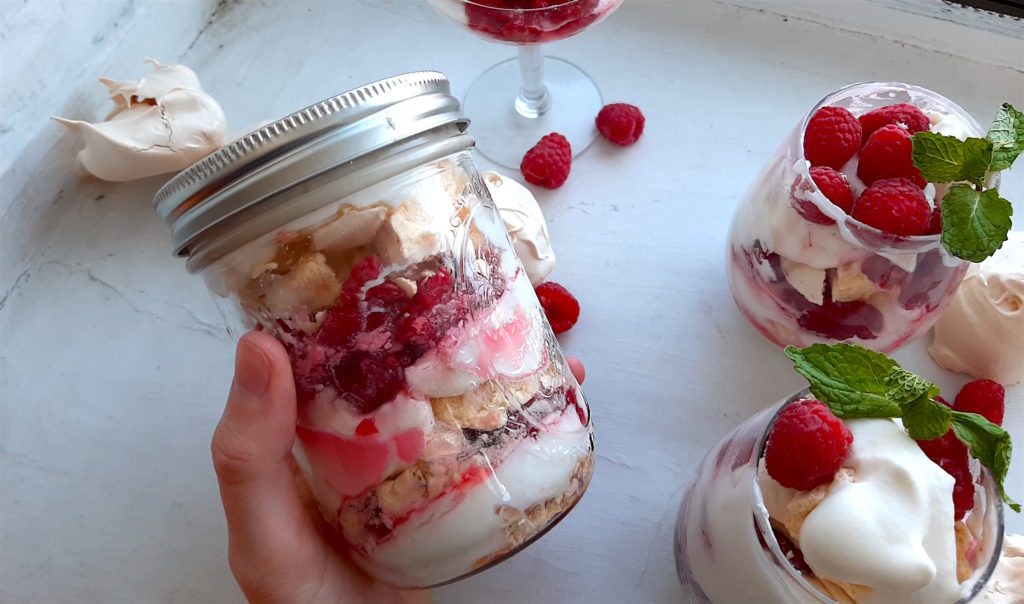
(161, 123)
(982, 332)
(525, 224)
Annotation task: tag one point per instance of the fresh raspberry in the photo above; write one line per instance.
(832, 136)
(547, 163)
(888, 154)
(807, 445)
(834, 186)
(902, 114)
(984, 397)
(894, 205)
(620, 123)
(561, 308)
(951, 455)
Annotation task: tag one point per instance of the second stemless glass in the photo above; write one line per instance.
(516, 102)
(803, 271)
(725, 547)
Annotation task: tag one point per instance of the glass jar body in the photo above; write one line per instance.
(726, 549)
(803, 271)
(439, 426)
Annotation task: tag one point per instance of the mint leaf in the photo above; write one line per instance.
(974, 225)
(925, 419)
(1007, 136)
(989, 444)
(849, 379)
(977, 157)
(940, 158)
(902, 387)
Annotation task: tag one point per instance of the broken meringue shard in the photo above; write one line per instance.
(161, 123)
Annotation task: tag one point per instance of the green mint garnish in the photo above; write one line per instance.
(989, 444)
(1007, 136)
(851, 381)
(978, 222)
(975, 220)
(858, 383)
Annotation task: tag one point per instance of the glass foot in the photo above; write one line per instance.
(503, 134)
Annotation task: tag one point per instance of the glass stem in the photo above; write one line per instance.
(533, 100)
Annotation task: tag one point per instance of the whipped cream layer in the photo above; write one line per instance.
(982, 331)
(1006, 585)
(891, 527)
(458, 530)
(161, 123)
(525, 223)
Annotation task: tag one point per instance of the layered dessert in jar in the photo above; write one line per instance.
(797, 505)
(526, 21)
(839, 237)
(439, 426)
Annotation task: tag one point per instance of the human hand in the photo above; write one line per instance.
(279, 547)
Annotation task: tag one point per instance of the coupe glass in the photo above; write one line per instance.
(516, 102)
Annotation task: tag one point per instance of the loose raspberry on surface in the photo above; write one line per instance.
(984, 397)
(807, 445)
(902, 114)
(547, 163)
(832, 137)
(561, 308)
(888, 153)
(620, 123)
(894, 205)
(951, 455)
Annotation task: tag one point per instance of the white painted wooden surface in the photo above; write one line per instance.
(113, 367)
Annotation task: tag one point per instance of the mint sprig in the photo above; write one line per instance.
(982, 220)
(858, 383)
(1007, 136)
(975, 220)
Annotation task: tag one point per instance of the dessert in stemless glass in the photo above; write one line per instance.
(516, 102)
(806, 264)
(438, 424)
(881, 530)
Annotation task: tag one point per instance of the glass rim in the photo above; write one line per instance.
(503, 9)
(895, 243)
(763, 526)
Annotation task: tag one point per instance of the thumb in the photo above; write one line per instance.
(252, 452)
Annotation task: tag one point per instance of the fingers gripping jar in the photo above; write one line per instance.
(439, 426)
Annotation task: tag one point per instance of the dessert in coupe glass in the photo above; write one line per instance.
(516, 102)
(862, 225)
(439, 426)
(885, 505)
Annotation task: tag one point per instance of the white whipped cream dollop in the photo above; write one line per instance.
(161, 123)
(981, 333)
(525, 224)
(1006, 585)
(890, 528)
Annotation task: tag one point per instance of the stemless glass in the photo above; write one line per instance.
(726, 550)
(438, 424)
(516, 102)
(803, 271)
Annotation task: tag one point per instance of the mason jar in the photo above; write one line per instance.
(802, 271)
(439, 426)
(729, 549)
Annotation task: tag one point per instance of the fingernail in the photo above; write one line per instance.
(252, 370)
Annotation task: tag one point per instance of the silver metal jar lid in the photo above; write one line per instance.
(398, 123)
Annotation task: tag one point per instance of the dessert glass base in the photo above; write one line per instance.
(505, 126)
